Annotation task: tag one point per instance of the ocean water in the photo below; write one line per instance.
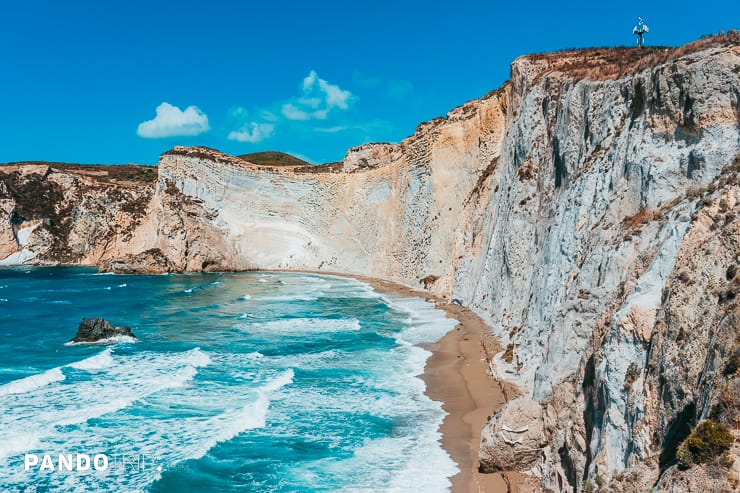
(238, 382)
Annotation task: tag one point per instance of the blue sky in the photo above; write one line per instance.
(118, 82)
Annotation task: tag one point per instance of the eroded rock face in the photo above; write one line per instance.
(99, 329)
(106, 215)
(56, 213)
(151, 261)
(514, 437)
(588, 210)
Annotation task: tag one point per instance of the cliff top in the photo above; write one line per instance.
(610, 63)
(99, 172)
(274, 161)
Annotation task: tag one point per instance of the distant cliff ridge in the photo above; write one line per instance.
(588, 210)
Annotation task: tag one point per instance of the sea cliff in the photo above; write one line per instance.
(587, 210)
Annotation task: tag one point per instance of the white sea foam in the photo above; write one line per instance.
(349, 288)
(33, 382)
(230, 423)
(314, 280)
(221, 416)
(298, 326)
(410, 460)
(13, 441)
(278, 382)
(197, 358)
(401, 463)
(119, 339)
(53, 375)
(193, 415)
(118, 384)
(290, 297)
(245, 297)
(426, 322)
(97, 362)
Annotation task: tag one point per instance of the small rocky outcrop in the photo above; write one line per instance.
(151, 261)
(97, 329)
(513, 438)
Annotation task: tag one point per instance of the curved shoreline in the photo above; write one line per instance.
(456, 374)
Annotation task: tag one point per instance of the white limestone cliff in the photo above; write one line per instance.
(563, 208)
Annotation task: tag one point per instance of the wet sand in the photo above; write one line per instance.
(456, 375)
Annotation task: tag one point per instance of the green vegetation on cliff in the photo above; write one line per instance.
(708, 441)
(273, 158)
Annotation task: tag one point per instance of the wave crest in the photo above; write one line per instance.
(33, 382)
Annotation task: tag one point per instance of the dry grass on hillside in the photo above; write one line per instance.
(613, 63)
(100, 172)
(320, 168)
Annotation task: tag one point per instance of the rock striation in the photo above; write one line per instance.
(587, 210)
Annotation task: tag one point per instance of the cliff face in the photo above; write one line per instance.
(55, 213)
(604, 184)
(587, 210)
(111, 216)
(389, 211)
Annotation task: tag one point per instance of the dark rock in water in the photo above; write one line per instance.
(96, 329)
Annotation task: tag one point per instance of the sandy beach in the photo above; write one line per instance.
(456, 375)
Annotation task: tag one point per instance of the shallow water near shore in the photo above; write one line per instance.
(238, 382)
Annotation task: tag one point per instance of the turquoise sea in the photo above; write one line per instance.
(238, 382)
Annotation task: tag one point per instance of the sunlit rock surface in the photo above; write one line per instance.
(588, 210)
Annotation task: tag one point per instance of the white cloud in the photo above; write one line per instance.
(292, 112)
(332, 130)
(238, 112)
(171, 121)
(318, 98)
(252, 132)
(268, 116)
(310, 102)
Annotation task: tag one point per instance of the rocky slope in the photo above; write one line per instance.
(587, 210)
(113, 216)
